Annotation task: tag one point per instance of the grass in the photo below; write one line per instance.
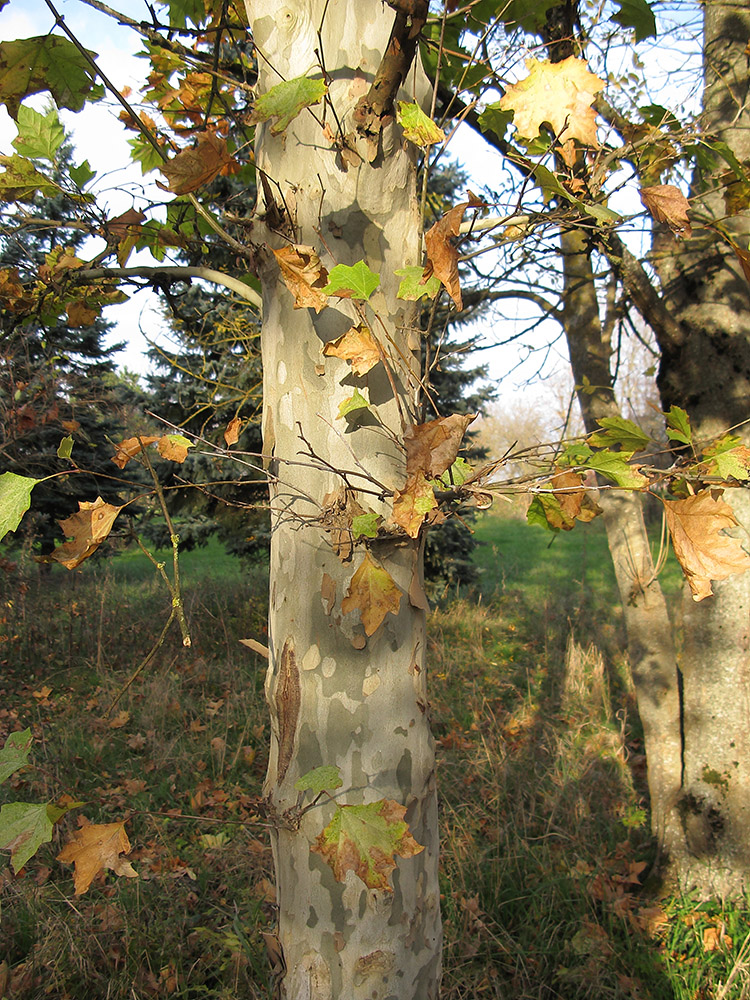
(546, 850)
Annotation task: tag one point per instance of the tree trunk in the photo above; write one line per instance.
(650, 646)
(338, 696)
(705, 368)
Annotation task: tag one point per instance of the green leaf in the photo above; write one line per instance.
(144, 153)
(601, 213)
(45, 62)
(20, 180)
(364, 839)
(65, 448)
(285, 101)
(637, 14)
(575, 455)
(678, 425)
(418, 127)
(531, 15)
(15, 500)
(15, 753)
(321, 779)
(412, 288)
(614, 465)
(24, 827)
(618, 430)
(355, 402)
(538, 509)
(181, 11)
(39, 136)
(456, 475)
(82, 175)
(494, 119)
(365, 525)
(659, 117)
(355, 282)
(728, 458)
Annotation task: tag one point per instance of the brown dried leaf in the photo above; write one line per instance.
(339, 507)
(85, 531)
(743, 256)
(431, 448)
(81, 314)
(125, 225)
(232, 431)
(576, 502)
(358, 347)
(304, 276)
(192, 168)
(94, 848)
(559, 93)
(173, 447)
(704, 553)
(411, 504)
(372, 592)
(667, 204)
(442, 256)
(129, 448)
(13, 295)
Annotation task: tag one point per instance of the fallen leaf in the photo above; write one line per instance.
(304, 276)
(560, 94)
(431, 448)
(232, 431)
(192, 168)
(94, 848)
(365, 839)
(704, 553)
(442, 256)
(358, 347)
(84, 531)
(667, 204)
(121, 719)
(411, 504)
(373, 593)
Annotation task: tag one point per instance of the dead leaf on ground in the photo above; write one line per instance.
(84, 531)
(358, 347)
(431, 448)
(372, 592)
(560, 94)
(704, 552)
(192, 168)
(442, 256)
(304, 276)
(94, 848)
(667, 204)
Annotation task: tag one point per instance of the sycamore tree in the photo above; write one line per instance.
(338, 104)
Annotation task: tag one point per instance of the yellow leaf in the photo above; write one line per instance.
(412, 503)
(372, 592)
(84, 531)
(232, 432)
(704, 553)
(95, 847)
(560, 94)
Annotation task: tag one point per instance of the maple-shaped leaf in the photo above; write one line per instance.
(354, 281)
(173, 447)
(431, 448)
(39, 135)
(414, 285)
(727, 458)
(24, 827)
(365, 525)
(340, 509)
(94, 848)
(232, 431)
(193, 168)
(567, 503)
(560, 94)
(131, 447)
(84, 531)
(616, 467)
(357, 401)
(678, 425)
(285, 101)
(667, 204)
(15, 753)
(358, 347)
(372, 592)
(15, 500)
(13, 295)
(442, 256)
(326, 778)
(411, 504)
(304, 276)
(20, 180)
(81, 314)
(637, 14)
(45, 63)
(418, 127)
(365, 840)
(696, 526)
(619, 431)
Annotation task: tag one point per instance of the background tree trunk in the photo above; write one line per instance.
(336, 696)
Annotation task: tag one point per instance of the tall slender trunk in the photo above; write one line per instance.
(338, 696)
(650, 644)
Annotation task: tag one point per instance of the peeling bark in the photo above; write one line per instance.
(336, 696)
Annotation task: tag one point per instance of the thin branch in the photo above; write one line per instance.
(175, 272)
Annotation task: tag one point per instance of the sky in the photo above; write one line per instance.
(99, 137)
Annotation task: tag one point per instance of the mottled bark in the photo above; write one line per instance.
(650, 645)
(336, 696)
